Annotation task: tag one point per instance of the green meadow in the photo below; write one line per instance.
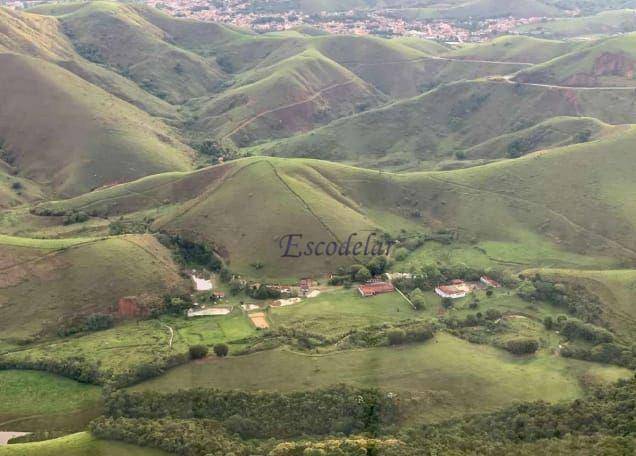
(80, 444)
(31, 399)
(451, 375)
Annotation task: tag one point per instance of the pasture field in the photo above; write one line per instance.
(453, 376)
(29, 400)
(531, 252)
(80, 444)
(133, 343)
(336, 312)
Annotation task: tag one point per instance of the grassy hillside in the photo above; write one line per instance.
(453, 376)
(422, 131)
(615, 288)
(554, 132)
(116, 35)
(296, 94)
(83, 145)
(609, 62)
(606, 22)
(43, 37)
(513, 48)
(374, 60)
(535, 202)
(44, 282)
(81, 444)
(30, 398)
(481, 9)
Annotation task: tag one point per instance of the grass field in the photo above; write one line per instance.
(336, 312)
(133, 343)
(29, 400)
(81, 444)
(454, 376)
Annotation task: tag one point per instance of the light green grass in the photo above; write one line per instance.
(81, 444)
(133, 343)
(30, 393)
(455, 376)
(336, 312)
(47, 244)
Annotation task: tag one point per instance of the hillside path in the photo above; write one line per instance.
(245, 123)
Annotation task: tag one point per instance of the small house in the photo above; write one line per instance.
(374, 288)
(489, 282)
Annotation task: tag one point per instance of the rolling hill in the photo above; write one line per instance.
(92, 132)
(430, 128)
(480, 9)
(514, 48)
(603, 23)
(294, 95)
(609, 62)
(45, 282)
(247, 205)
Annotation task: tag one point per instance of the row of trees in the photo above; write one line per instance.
(279, 415)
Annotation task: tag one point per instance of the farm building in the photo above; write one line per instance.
(374, 288)
(455, 290)
(489, 282)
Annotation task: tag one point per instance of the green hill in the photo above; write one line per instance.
(92, 132)
(425, 130)
(603, 23)
(480, 9)
(294, 95)
(533, 202)
(43, 37)
(554, 132)
(44, 282)
(116, 35)
(615, 289)
(609, 62)
(513, 48)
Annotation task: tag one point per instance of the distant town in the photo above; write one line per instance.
(382, 22)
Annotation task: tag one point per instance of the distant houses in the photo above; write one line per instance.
(459, 289)
(374, 288)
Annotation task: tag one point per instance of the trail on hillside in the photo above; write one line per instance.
(281, 108)
(612, 242)
(507, 80)
(423, 59)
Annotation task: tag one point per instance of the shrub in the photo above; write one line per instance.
(198, 351)
(396, 337)
(363, 274)
(522, 346)
(221, 350)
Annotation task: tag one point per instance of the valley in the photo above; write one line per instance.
(180, 202)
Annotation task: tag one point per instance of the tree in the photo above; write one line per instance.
(363, 274)
(447, 303)
(378, 265)
(418, 299)
(198, 351)
(548, 322)
(221, 350)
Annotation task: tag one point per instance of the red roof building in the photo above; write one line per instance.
(489, 282)
(372, 289)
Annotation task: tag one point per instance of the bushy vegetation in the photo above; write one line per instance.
(280, 415)
(190, 252)
(522, 345)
